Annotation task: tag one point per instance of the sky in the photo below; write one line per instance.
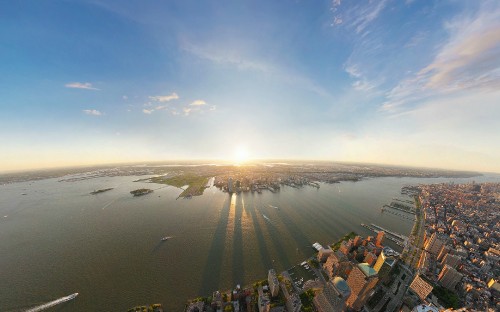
(413, 83)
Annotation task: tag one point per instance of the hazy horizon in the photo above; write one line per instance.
(222, 162)
(404, 83)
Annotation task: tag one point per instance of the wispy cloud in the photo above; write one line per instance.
(224, 56)
(80, 85)
(241, 61)
(363, 85)
(470, 59)
(164, 98)
(416, 39)
(92, 112)
(357, 17)
(159, 102)
(198, 103)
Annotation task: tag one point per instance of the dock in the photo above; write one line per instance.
(406, 217)
(399, 239)
(400, 209)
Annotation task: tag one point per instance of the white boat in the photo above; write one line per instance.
(52, 303)
(166, 238)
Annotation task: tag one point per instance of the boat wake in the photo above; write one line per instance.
(52, 303)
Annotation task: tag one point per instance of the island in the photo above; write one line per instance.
(191, 184)
(100, 191)
(140, 192)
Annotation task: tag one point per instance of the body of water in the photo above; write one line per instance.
(56, 239)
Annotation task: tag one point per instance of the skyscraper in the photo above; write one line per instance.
(333, 296)
(361, 281)
(385, 262)
(380, 238)
(434, 244)
(449, 277)
(421, 286)
(274, 285)
(230, 185)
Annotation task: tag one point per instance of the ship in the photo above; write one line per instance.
(52, 303)
(166, 238)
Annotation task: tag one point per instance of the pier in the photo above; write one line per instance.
(406, 217)
(400, 209)
(399, 239)
(400, 236)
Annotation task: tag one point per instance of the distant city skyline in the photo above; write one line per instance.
(409, 83)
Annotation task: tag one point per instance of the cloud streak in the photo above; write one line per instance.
(198, 103)
(469, 60)
(164, 98)
(92, 112)
(80, 85)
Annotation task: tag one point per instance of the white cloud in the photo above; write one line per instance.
(225, 56)
(187, 110)
(213, 107)
(358, 16)
(353, 70)
(198, 103)
(470, 59)
(164, 98)
(92, 112)
(148, 111)
(125, 97)
(363, 85)
(80, 85)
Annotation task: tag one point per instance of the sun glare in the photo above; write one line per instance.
(240, 154)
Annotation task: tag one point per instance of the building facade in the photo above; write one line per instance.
(361, 281)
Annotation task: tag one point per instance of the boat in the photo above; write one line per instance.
(52, 303)
(166, 238)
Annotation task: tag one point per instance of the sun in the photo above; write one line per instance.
(241, 154)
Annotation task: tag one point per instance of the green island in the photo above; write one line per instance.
(100, 191)
(140, 192)
(196, 184)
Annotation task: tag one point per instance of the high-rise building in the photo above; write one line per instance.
(380, 238)
(443, 252)
(361, 281)
(345, 246)
(451, 260)
(421, 286)
(385, 262)
(274, 285)
(230, 185)
(263, 301)
(449, 277)
(324, 253)
(370, 258)
(337, 265)
(434, 244)
(333, 296)
(357, 241)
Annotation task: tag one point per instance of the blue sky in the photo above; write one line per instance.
(398, 82)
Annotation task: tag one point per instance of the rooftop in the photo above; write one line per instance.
(367, 269)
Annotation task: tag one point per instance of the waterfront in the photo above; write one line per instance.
(58, 239)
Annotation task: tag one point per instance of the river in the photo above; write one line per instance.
(57, 239)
